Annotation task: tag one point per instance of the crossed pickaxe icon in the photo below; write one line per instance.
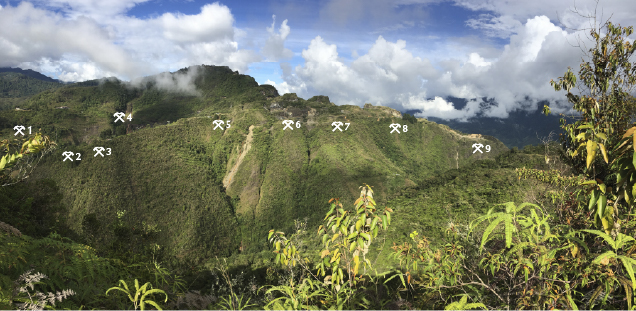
(99, 151)
(288, 123)
(218, 123)
(395, 127)
(68, 155)
(119, 116)
(337, 125)
(19, 129)
(478, 147)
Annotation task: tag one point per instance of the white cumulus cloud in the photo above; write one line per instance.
(214, 23)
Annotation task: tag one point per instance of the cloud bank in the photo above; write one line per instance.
(389, 74)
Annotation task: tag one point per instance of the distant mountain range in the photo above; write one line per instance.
(16, 82)
(520, 129)
(30, 73)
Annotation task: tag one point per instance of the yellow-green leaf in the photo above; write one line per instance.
(630, 132)
(3, 162)
(591, 151)
(335, 236)
(604, 153)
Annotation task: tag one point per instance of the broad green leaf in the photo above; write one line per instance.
(384, 221)
(366, 236)
(602, 202)
(593, 200)
(352, 247)
(374, 222)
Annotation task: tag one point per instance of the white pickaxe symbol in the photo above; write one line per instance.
(288, 124)
(218, 123)
(337, 125)
(395, 127)
(119, 116)
(98, 150)
(478, 147)
(19, 129)
(68, 155)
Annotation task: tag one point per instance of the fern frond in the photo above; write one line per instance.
(629, 289)
(604, 235)
(595, 296)
(628, 264)
(509, 227)
(608, 254)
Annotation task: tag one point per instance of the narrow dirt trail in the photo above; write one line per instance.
(246, 147)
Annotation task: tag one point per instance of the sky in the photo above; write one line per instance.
(404, 54)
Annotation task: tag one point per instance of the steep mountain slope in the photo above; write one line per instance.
(199, 190)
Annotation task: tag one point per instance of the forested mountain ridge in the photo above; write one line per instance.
(211, 190)
(16, 82)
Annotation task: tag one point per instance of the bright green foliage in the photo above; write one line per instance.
(346, 238)
(346, 244)
(297, 296)
(234, 302)
(462, 305)
(510, 220)
(140, 294)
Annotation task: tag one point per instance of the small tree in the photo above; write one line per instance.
(607, 109)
